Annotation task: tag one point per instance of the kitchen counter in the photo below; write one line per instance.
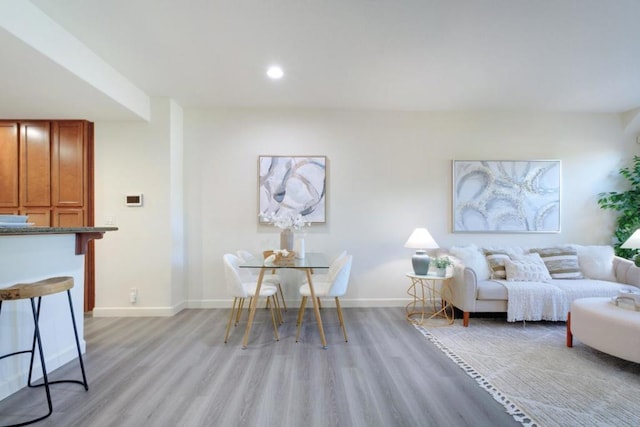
(29, 254)
(83, 234)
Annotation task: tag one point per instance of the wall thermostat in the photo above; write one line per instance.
(133, 200)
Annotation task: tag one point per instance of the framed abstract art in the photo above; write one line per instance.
(506, 196)
(292, 185)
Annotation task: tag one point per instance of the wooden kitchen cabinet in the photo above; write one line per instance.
(9, 177)
(68, 164)
(46, 172)
(35, 164)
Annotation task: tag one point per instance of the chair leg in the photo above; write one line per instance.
(344, 330)
(273, 318)
(239, 311)
(233, 308)
(284, 304)
(276, 304)
(300, 316)
(249, 306)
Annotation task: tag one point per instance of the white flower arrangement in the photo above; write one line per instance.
(288, 220)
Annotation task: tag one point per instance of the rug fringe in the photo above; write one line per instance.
(512, 409)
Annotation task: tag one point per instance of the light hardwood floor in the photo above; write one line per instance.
(178, 372)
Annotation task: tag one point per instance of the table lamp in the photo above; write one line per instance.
(420, 239)
(633, 242)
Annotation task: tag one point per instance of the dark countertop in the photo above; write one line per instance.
(10, 231)
(83, 234)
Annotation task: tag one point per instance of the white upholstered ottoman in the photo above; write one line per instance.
(600, 324)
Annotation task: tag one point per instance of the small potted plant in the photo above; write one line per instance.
(441, 264)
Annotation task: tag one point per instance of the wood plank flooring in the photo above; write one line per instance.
(177, 371)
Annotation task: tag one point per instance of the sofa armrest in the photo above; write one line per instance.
(464, 289)
(626, 271)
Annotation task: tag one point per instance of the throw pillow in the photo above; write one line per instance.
(562, 263)
(526, 268)
(471, 256)
(596, 262)
(496, 259)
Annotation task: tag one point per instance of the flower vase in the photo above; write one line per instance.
(286, 239)
(299, 248)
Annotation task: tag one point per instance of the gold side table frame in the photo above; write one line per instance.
(431, 300)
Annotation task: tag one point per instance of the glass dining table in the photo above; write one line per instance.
(311, 261)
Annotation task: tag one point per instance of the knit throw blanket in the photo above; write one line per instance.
(535, 301)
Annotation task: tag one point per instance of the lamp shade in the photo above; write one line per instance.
(421, 239)
(632, 242)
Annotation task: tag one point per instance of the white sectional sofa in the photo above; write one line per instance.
(527, 289)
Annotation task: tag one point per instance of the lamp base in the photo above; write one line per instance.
(420, 261)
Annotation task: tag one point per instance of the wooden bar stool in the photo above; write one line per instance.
(37, 290)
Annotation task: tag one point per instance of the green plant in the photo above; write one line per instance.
(442, 262)
(627, 203)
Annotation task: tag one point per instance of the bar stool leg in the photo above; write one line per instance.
(36, 340)
(75, 331)
(84, 382)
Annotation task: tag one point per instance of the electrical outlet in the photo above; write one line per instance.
(110, 220)
(133, 296)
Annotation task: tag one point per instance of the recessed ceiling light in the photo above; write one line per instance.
(275, 72)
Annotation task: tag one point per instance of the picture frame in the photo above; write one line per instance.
(292, 185)
(506, 196)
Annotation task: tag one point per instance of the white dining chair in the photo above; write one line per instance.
(324, 277)
(334, 285)
(271, 278)
(241, 288)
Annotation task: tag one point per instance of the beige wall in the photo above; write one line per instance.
(388, 172)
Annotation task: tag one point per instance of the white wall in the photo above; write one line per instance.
(388, 172)
(131, 158)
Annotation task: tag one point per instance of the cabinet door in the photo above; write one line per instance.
(67, 218)
(35, 164)
(40, 217)
(9, 196)
(68, 176)
(8, 211)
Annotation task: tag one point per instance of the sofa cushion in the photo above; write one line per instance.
(496, 259)
(471, 256)
(526, 268)
(562, 263)
(491, 290)
(596, 262)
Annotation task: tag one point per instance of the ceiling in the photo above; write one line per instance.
(412, 55)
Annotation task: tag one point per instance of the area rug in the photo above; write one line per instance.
(541, 382)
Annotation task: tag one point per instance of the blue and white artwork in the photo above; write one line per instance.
(501, 196)
(289, 186)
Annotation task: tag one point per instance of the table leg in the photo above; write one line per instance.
(252, 308)
(316, 309)
(411, 307)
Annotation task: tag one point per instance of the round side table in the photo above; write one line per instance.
(431, 300)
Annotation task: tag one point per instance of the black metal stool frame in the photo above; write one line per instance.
(38, 341)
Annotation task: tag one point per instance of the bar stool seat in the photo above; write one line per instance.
(37, 290)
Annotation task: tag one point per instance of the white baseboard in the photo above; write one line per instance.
(138, 311)
(226, 303)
